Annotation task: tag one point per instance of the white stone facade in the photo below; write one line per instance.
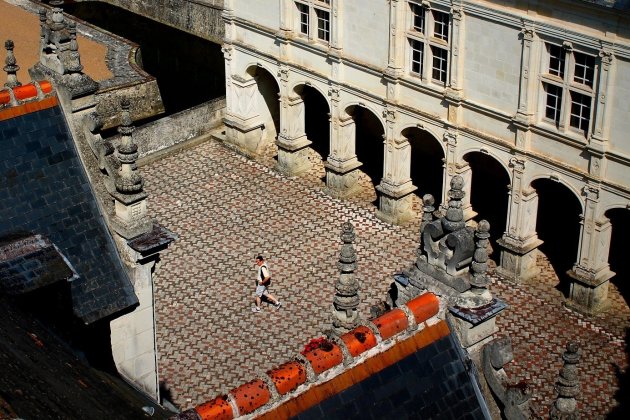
(542, 88)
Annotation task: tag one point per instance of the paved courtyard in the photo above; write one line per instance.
(227, 208)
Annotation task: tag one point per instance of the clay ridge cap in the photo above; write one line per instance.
(282, 384)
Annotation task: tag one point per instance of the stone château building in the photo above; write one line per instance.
(526, 100)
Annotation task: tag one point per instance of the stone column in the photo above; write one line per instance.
(244, 127)
(341, 165)
(454, 93)
(520, 242)
(395, 199)
(292, 141)
(590, 274)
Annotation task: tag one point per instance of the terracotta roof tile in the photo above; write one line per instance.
(296, 391)
(359, 340)
(288, 376)
(391, 323)
(250, 396)
(219, 409)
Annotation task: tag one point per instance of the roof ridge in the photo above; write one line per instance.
(25, 99)
(359, 353)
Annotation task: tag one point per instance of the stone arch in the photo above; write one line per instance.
(558, 224)
(426, 162)
(489, 191)
(369, 134)
(268, 104)
(619, 218)
(316, 120)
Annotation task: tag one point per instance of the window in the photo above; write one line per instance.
(323, 25)
(303, 12)
(440, 58)
(568, 80)
(317, 11)
(428, 36)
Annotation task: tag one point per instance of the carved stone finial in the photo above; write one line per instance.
(454, 214)
(567, 386)
(128, 181)
(11, 66)
(479, 266)
(346, 301)
(428, 207)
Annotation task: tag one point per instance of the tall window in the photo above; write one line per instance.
(428, 36)
(314, 11)
(568, 80)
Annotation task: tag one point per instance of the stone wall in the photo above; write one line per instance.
(198, 17)
(177, 128)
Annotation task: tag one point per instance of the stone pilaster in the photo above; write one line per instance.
(589, 288)
(454, 93)
(395, 199)
(524, 114)
(244, 127)
(341, 165)
(292, 141)
(346, 301)
(519, 244)
(598, 141)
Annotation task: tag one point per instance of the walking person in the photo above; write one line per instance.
(263, 279)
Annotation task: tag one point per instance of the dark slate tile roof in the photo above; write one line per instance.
(42, 379)
(28, 262)
(44, 190)
(430, 383)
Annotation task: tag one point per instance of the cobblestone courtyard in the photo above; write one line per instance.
(227, 208)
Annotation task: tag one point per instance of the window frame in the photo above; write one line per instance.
(571, 85)
(431, 18)
(318, 28)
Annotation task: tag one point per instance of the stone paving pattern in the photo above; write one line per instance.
(227, 208)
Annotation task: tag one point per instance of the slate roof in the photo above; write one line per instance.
(44, 190)
(42, 379)
(406, 363)
(430, 383)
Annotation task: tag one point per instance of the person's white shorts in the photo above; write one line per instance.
(261, 290)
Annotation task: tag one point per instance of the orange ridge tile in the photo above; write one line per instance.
(288, 376)
(424, 307)
(250, 396)
(27, 108)
(321, 391)
(391, 323)
(359, 340)
(321, 360)
(217, 409)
